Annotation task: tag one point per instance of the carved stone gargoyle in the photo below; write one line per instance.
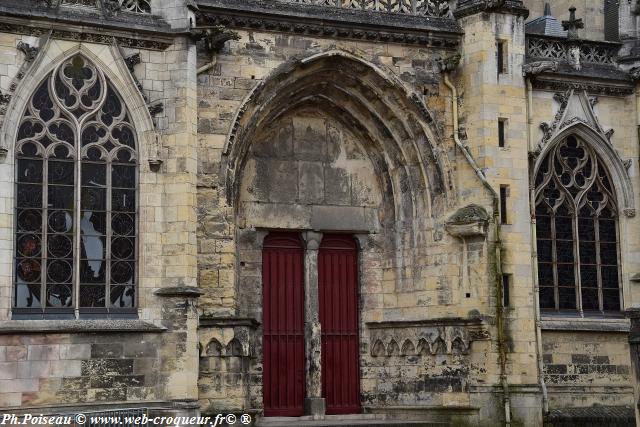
(448, 63)
(30, 52)
(214, 37)
(535, 68)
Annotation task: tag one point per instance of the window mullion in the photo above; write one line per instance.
(109, 233)
(45, 227)
(576, 264)
(77, 232)
(596, 229)
(554, 261)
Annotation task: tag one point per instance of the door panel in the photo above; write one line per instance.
(283, 325)
(339, 319)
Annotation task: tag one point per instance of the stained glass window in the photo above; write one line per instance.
(576, 225)
(76, 179)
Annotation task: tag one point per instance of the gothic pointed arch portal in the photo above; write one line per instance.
(404, 146)
(76, 180)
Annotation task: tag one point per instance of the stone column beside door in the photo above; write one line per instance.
(314, 403)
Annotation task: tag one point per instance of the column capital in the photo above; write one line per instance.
(312, 240)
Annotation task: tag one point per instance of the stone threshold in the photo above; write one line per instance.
(13, 327)
(343, 421)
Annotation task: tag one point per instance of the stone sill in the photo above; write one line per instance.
(549, 323)
(462, 409)
(13, 327)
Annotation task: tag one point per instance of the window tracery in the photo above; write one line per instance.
(576, 225)
(75, 196)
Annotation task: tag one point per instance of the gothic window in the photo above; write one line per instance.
(576, 224)
(75, 198)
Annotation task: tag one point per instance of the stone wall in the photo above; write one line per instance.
(411, 268)
(583, 369)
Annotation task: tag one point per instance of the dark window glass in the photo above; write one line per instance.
(576, 214)
(75, 188)
(501, 132)
(504, 194)
(501, 52)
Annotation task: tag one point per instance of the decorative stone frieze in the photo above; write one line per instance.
(425, 337)
(335, 22)
(472, 7)
(432, 8)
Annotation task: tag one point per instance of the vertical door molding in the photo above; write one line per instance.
(314, 403)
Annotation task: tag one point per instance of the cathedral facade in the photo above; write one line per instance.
(310, 211)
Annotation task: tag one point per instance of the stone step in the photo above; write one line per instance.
(344, 421)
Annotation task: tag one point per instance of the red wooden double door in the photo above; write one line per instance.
(283, 324)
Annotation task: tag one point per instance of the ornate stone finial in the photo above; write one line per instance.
(573, 24)
(214, 37)
(547, 9)
(111, 7)
(492, 4)
(535, 68)
(448, 63)
(30, 52)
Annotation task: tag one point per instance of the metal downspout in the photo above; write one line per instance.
(502, 350)
(534, 252)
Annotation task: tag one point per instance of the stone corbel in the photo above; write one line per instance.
(187, 293)
(468, 222)
(155, 161)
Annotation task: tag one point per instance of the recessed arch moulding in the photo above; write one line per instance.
(330, 121)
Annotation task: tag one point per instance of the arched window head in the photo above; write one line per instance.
(577, 232)
(76, 204)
